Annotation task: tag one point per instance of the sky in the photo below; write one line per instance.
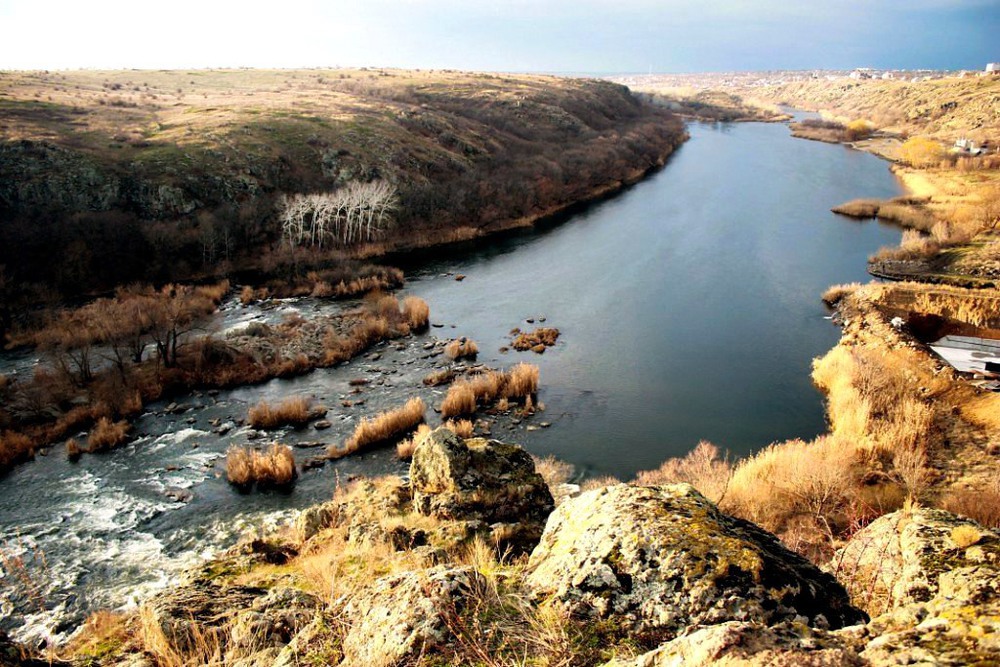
(593, 36)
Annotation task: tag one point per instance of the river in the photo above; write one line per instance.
(689, 309)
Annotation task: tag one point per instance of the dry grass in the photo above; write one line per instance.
(835, 293)
(273, 468)
(521, 381)
(463, 428)
(461, 348)
(73, 450)
(239, 466)
(466, 394)
(14, 447)
(703, 468)
(980, 503)
(416, 312)
(438, 378)
(293, 411)
(381, 428)
(460, 400)
(553, 471)
(543, 336)
(859, 208)
(405, 448)
(107, 434)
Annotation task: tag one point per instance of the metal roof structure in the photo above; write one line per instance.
(968, 354)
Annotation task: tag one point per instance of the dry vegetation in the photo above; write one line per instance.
(382, 428)
(272, 468)
(466, 395)
(293, 411)
(461, 348)
(107, 434)
(536, 340)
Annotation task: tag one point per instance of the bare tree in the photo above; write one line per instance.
(356, 212)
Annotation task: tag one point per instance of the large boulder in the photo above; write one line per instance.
(404, 614)
(934, 579)
(481, 482)
(749, 645)
(660, 560)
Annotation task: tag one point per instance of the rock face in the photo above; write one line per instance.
(936, 579)
(749, 644)
(480, 481)
(659, 560)
(404, 614)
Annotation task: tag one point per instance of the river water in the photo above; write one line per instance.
(689, 309)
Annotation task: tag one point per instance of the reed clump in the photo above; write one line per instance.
(416, 312)
(542, 336)
(271, 468)
(293, 411)
(381, 428)
(467, 394)
(107, 434)
(461, 348)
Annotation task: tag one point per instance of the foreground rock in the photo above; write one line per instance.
(404, 615)
(659, 560)
(934, 580)
(484, 483)
(748, 644)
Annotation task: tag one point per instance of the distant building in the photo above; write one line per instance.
(993, 68)
(888, 75)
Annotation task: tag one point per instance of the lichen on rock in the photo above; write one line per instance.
(662, 559)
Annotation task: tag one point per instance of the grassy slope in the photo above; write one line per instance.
(185, 168)
(945, 109)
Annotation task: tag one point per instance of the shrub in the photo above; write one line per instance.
(981, 504)
(544, 336)
(15, 447)
(383, 427)
(293, 411)
(921, 152)
(461, 348)
(73, 450)
(107, 434)
(702, 468)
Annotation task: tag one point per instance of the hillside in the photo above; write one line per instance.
(946, 109)
(111, 177)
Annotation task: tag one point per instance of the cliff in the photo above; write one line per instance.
(416, 573)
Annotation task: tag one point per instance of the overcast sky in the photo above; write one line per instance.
(507, 35)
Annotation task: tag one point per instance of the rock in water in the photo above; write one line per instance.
(481, 482)
(659, 560)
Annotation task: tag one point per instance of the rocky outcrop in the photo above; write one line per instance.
(490, 486)
(934, 580)
(660, 560)
(404, 614)
(750, 644)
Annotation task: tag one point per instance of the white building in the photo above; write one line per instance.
(993, 68)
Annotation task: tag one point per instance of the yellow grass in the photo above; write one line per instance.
(416, 312)
(107, 434)
(405, 448)
(294, 411)
(835, 293)
(466, 394)
(984, 411)
(461, 348)
(382, 427)
(239, 466)
(463, 428)
(965, 535)
(552, 470)
(703, 468)
(274, 467)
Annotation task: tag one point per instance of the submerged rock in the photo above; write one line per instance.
(659, 560)
(483, 481)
